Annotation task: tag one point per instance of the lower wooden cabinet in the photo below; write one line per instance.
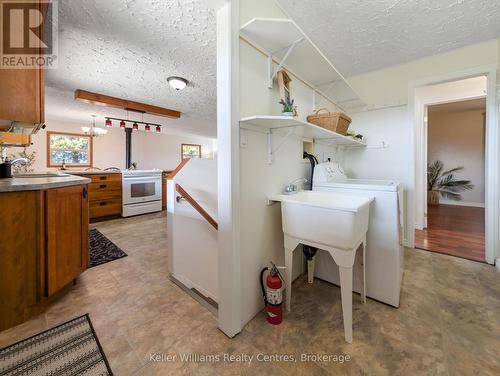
(22, 255)
(105, 194)
(67, 235)
(44, 246)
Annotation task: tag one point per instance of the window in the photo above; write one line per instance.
(70, 148)
(190, 151)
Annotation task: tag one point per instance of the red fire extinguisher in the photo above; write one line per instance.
(273, 296)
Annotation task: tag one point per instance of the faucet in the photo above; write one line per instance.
(19, 160)
(292, 187)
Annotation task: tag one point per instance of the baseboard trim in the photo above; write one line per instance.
(462, 203)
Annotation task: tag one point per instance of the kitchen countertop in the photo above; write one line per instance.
(39, 183)
(92, 172)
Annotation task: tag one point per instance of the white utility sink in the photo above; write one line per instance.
(333, 219)
(334, 222)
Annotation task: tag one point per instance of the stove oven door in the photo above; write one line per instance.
(137, 189)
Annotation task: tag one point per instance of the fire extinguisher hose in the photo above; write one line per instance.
(262, 284)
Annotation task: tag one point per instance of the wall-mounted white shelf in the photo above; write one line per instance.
(283, 41)
(302, 128)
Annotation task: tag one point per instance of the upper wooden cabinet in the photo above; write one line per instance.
(22, 90)
(67, 235)
(22, 95)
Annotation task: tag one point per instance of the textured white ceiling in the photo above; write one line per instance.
(360, 36)
(128, 48)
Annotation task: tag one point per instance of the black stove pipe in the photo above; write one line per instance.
(128, 147)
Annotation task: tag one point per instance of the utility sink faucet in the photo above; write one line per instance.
(292, 187)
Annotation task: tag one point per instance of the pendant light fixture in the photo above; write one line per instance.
(178, 83)
(135, 125)
(94, 131)
(109, 123)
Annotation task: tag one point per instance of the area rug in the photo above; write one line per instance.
(102, 250)
(68, 349)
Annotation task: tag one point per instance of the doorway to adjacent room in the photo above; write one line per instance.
(455, 218)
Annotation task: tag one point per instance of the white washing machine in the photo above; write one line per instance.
(385, 252)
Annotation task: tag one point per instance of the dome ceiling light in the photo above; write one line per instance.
(178, 83)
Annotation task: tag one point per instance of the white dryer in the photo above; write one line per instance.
(385, 252)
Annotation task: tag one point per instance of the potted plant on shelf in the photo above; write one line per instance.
(443, 183)
(288, 108)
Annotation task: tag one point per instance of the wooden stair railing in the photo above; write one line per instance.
(186, 196)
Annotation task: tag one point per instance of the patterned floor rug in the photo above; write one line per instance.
(69, 349)
(102, 250)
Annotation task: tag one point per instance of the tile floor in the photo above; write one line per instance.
(448, 324)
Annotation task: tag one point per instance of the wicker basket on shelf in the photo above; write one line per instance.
(333, 121)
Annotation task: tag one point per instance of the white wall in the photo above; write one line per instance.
(149, 150)
(261, 235)
(457, 139)
(387, 93)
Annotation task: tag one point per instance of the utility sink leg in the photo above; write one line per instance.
(310, 269)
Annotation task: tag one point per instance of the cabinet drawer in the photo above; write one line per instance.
(102, 208)
(97, 178)
(105, 190)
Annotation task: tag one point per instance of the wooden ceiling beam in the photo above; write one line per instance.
(106, 100)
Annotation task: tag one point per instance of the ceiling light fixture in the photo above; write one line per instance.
(178, 83)
(135, 124)
(109, 123)
(94, 131)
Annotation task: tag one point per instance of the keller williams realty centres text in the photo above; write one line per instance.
(248, 358)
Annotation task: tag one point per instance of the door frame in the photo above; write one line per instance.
(492, 154)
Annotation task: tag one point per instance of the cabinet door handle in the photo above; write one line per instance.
(103, 186)
(103, 177)
(103, 203)
(84, 192)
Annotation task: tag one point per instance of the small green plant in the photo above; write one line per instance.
(445, 183)
(288, 105)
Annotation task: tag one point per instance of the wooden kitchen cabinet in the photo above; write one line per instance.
(43, 247)
(22, 246)
(22, 91)
(67, 235)
(105, 194)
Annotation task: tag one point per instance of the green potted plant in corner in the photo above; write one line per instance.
(288, 107)
(443, 183)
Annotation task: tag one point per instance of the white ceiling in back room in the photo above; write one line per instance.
(128, 49)
(360, 36)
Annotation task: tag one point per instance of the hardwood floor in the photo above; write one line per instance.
(453, 230)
